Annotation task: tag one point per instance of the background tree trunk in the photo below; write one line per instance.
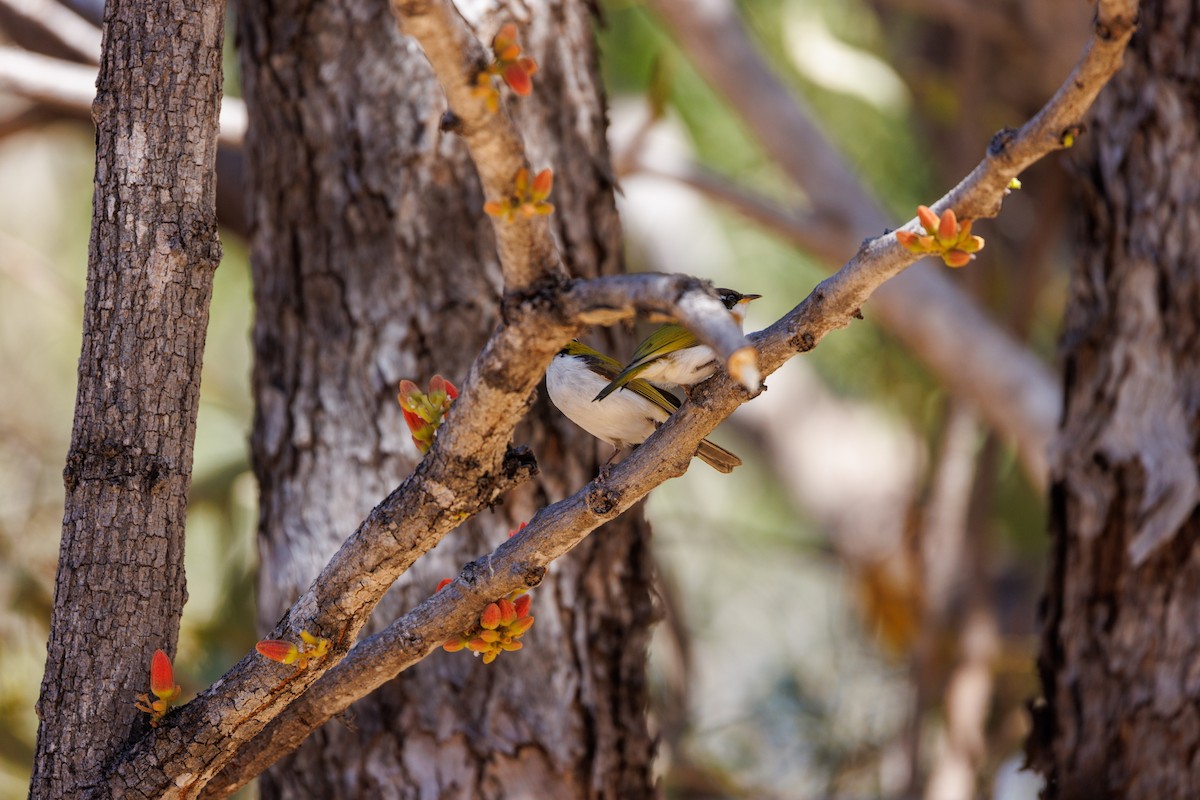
(120, 586)
(1120, 659)
(373, 262)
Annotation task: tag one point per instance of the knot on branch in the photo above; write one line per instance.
(603, 501)
(543, 296)
(532, 574)
(803, 342)
(1000, 141)
(450, 122)
(519, 464)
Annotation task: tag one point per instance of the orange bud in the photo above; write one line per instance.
(973, 245)
(529, 65)
(494, 209)
(520, 528)
(929, 220)
(906, 238)
(511, 646)
(454, 645)
(489, 657)
(956, 258)
(490, 619)
(508, 614)
(278, 650)
(478, 645)
(491, 637)
(442, 584)
(947, 230)
(505, 36)
(520, 626)
(517, 79)
(543, 184)
(521, 606)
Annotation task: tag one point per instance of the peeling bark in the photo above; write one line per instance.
(1120, 660)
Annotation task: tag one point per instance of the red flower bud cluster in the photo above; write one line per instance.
(424, 411)
(500, 627)
(943, 237)
(528, 197)
(510, 66)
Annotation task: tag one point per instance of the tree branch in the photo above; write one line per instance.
(526, 248)
(1012, 389)
(469, 467)
(72, 87)
(48, 27)
(521, 561)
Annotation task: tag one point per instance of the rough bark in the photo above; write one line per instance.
(120, 586)
(1120, 660)
(372, 263)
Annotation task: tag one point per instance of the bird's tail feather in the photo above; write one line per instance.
(717, 457)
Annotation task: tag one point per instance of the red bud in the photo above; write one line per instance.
(162, 676)
(518, 79)
(278, 650)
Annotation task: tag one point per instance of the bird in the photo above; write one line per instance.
(673, 356)
(626, 417)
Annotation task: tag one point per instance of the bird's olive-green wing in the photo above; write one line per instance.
(667, 402)
(666, 339)
(710, 453)
(596, 361)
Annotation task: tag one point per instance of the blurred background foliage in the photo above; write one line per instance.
(801, 654)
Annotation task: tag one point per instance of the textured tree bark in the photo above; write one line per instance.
(373, 262)
(1120, 660)
(120, 586)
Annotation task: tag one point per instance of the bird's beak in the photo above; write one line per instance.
(746, 298)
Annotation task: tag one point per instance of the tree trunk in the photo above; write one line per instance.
(120, 586)
(373, 262)
(1120, 659)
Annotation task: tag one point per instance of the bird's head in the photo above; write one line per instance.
(736, 302)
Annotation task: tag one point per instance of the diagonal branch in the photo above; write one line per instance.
(940, 324)
(526, 248)
(521, 561)
(469, 467)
